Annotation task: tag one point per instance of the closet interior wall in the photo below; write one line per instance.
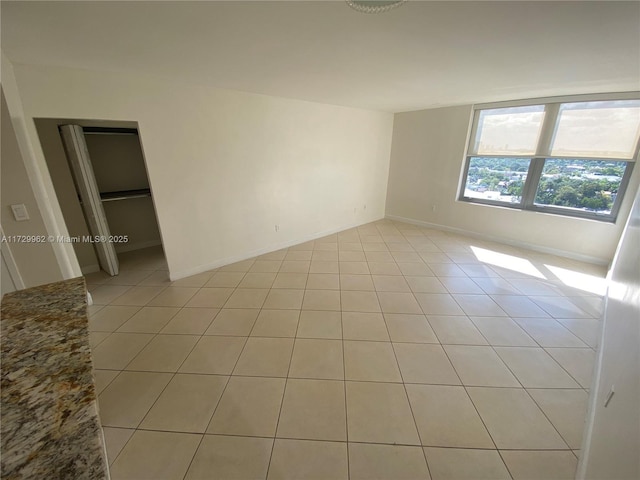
(119, 168)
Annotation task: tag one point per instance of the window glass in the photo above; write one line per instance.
(567, 158)
(509, 131)
(587, 185)
(497, 179)
(597, 129)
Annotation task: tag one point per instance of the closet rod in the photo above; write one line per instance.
(109, 131)
(125, 194)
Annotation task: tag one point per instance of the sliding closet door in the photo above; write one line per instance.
(85, 181)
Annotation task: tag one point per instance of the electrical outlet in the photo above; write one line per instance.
(433, 208)
(277, 228)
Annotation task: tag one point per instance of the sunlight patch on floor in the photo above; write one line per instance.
(509, 262)
(581, 281)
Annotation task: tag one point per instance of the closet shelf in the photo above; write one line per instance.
(124, 194)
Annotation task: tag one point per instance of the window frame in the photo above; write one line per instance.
(543, 153)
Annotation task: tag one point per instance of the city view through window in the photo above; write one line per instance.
(589, 185)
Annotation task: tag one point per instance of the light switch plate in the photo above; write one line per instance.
(20, 212)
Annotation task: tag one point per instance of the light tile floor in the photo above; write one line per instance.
(386, 351)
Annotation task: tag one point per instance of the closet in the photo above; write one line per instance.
(111, 208)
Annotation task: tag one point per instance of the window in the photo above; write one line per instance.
(565, 157)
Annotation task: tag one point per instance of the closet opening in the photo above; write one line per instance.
(99, 174)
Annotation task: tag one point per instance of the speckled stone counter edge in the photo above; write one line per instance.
(49, 418)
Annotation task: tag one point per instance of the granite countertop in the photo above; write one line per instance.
(50, 427)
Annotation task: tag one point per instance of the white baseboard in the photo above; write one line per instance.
(506, 241)
(128, 247)
(87, 269)
(272, 248)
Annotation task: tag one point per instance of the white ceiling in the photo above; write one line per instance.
(421, 55)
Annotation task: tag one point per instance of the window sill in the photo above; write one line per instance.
(545, 210)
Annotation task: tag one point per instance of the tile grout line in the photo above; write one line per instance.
(477, 411)
(344, 375)
(226, 383)
(404, 386)
(467, 392)
(174, 374)
(98, 403)
(464, 386)
(136, 428)
(521, 386)
(406, 394)
(284, 391)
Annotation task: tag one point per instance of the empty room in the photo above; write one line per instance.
(341, 239)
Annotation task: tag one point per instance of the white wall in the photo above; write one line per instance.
(612, 437)
(226, 167)
(34, 164)
(36, 261)
(426, 165)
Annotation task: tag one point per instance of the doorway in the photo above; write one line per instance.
(124, 191)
